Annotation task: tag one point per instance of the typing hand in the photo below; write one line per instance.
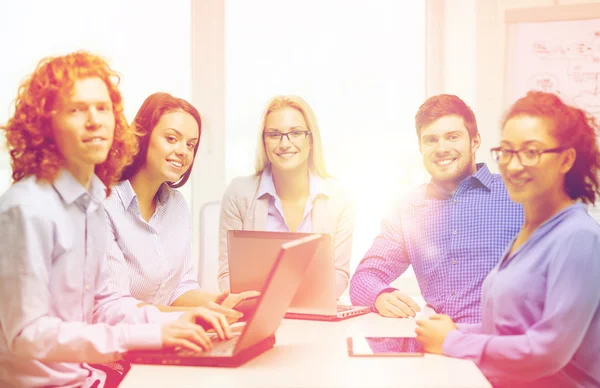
(181, 334)
(231, 300)
(208, 319)
(396, 305)
(217, 306)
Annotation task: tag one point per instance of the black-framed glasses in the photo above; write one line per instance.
(528, 157)
(294, 136)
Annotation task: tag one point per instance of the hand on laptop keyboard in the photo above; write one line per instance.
(208, 320)
(230, 301)
(187, 332)
(220, 347)
(226, 304)
(230, 315)
(185, 335)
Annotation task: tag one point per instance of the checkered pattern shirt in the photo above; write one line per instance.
(451, 240)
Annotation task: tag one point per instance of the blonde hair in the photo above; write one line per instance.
(316, 160)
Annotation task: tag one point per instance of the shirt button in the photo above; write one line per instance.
(453, 261)
(455, 201)
(453, 293)
(454, 232)
(87, 287)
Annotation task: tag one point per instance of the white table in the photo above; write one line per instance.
(313, 354)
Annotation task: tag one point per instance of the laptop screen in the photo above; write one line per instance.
(282, 283)
(251, 257)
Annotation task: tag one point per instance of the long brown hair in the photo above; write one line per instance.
(153, 108)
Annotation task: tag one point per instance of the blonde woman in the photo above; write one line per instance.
(290, 190)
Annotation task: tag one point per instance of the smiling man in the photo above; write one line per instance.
(452, 229)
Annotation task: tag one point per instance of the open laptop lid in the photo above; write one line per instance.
(251, 257)
(282, 283)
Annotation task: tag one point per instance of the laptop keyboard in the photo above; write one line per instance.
(220, 348)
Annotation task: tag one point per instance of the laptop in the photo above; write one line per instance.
(258, 334)
(251, 255)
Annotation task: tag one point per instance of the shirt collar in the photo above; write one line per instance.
(482, 175)
(267, 186)
(127, 194)
(70, 189)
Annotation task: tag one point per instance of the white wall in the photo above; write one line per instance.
(144, 40)
(459, 49)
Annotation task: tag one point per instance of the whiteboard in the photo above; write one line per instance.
(556, 50)
(562, 58)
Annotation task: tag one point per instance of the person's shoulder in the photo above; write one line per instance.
(336, 187)
(497, 184)
(29, 191)
(578, 221)
(174, 195)
(243, 186)
(498, 187)
(114, 202)
(337, 194)
(176, 209)
(497, 180)
(413, 197)
(577, 233)
(32, 196)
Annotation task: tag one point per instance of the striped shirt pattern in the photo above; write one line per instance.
(451, 240)
(151, 260)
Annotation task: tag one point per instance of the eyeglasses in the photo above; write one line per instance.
(295, 137)
(527, 157)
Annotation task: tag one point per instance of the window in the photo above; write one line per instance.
(360, 65)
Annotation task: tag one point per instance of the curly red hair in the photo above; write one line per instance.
(29, 133)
